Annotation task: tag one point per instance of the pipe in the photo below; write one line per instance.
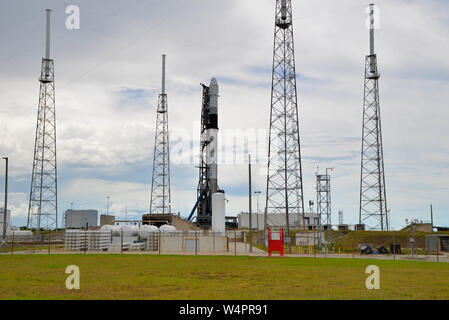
(196, 205)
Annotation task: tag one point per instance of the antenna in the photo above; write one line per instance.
(163, 74)
(371, 29)
(160, 202)
(284, 192)
(47, 38)
(43, 205)
(373, 210)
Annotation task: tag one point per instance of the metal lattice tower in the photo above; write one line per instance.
(43, 205)
(323, 191)
(340, 217)
(284, 194)
(373, 201)
(160, 187)
(204, 209)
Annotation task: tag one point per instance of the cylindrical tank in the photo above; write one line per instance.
(116, 231)
(129, 231)
(106, 227)
(167, 228)
(21, 233)
(145, 231)
(218, 212)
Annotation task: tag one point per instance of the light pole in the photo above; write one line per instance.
(250, 207)
(107, 206)
(5, 208)
(257, 195)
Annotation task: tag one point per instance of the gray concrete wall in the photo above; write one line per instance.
(204, 244)
(308, 238)
(76, 219)
(274, 220)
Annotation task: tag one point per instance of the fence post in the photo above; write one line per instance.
(85, 241)
(438, 249)
(352, 246)
(196, 242)
(49, 241)
(183, 243)
(235, 243)
(394, 247)
(12, 245)
(121, 241)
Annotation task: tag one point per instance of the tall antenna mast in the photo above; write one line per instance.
(373, 202)
(284, 193)
(323, 203)
(43, 205)
(160, 202)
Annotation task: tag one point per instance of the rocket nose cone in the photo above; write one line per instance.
(213, 86)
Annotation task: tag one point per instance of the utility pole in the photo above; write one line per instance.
(5, 208)
(431, 216)
(250, 207)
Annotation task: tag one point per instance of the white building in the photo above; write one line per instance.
(77, 219)
(278, 220)
(8, 218)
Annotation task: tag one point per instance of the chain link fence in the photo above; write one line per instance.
(392, 245)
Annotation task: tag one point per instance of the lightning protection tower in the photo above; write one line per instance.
(373, 201)
(43, 205)
(284, 193)
(160, 187)
(323, 190)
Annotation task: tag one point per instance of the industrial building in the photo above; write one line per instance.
(77, 219)
(275, 220)
(169, 219)
(8, 218)
(437, 242)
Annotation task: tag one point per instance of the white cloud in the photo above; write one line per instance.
(105, 145)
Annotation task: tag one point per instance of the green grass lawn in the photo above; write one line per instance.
(206, 277)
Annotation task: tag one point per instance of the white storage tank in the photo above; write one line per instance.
(167, 229)
(116, 231)
(106, 227)
(21, 233)
(218, 212)
(145, 230)
(129, 231)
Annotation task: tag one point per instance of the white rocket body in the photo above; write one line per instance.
(217, 198)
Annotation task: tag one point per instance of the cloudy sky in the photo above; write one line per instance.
(108, 79)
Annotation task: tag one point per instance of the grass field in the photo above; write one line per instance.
(207, 277)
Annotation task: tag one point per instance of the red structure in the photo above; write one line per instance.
(276, 241)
